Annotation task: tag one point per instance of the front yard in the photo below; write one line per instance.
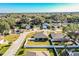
(11, 37)
(3, 48)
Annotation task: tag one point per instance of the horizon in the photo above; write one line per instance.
(38, 7)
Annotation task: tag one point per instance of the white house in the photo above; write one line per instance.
(28, 27)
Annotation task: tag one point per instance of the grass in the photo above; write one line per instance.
(77, 50)
(31, 43)
(30, 35)
(23, 51)
(36, 49)
(11, 37)
(51, 52)
(20, 52)
(56, 43)
(3, 48)
(62, 43)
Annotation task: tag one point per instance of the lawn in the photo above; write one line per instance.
(23, 51)
(62, 43)
(3, 48)
(32, 43)
(36, 49)
(11, 37)
(51, 52)
(30, 34)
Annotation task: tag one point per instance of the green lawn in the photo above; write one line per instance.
(32, 43)
(51, 52)
(30, 35)
(11, 37)
(3, 48)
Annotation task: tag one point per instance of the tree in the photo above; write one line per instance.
(24, 19)
(37, 20)
(70, 29)
(11, 22)
(4, 26)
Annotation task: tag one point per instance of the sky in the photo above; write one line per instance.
(38, 7)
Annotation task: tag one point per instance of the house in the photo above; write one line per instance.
(28, 27)
(41, 36)
(45, 26)
(76, 32)
(56, 35)
(60, 40)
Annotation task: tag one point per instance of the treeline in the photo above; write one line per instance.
(12, 21)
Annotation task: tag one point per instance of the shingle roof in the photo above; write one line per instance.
(57, 36)
(74, 54)
(41, 35)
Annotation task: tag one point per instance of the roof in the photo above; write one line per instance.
(41, 35)
(76, 32)
(73, 53)
(59, 39)
(57, 35)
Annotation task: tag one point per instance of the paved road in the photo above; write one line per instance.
(16, 45)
